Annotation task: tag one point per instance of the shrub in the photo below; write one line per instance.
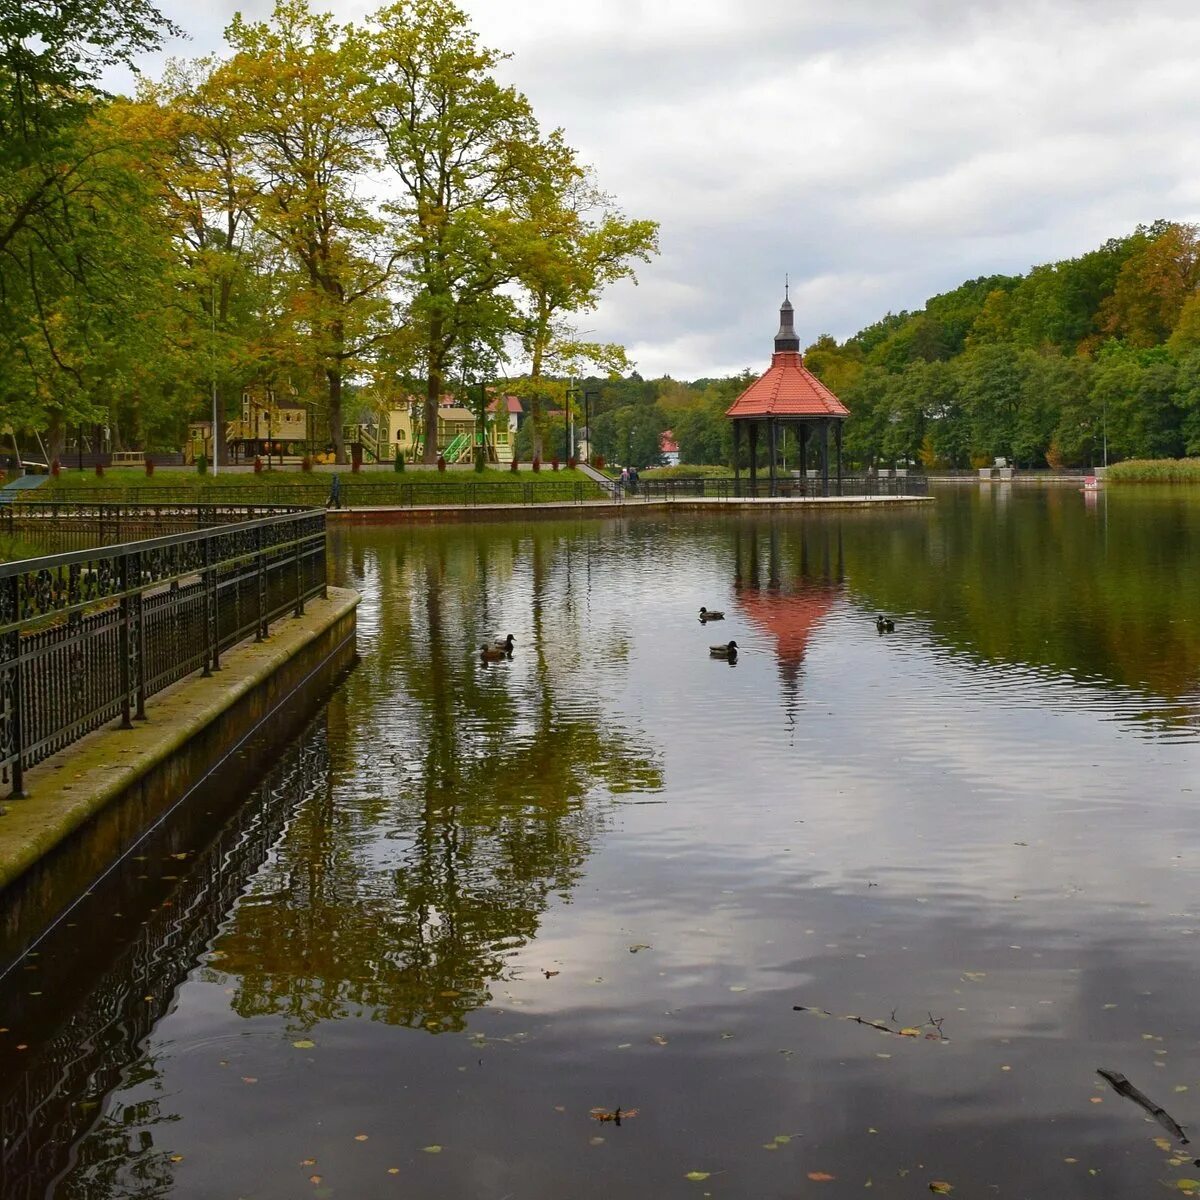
(480, 460)
(55, 468)
(572, 463)
(202, 464)
(536, 464)
(258, 465)
(598, 461)
(441, 462)
(149, 465)
(398, 462)
(554, 463)
(99, 468)
(306, 464)
(513, 465)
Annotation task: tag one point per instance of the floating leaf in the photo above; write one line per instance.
(939, 1187)
(1188, 1185)
(737, 988)
(314, 1179)
(639, 946)
(821, 1176)
(432, 1149)
(1162, 1143)
(249, 1078)
(360, 1137)
(770, 1146)
(783, 1138)
(697, 1176)
(177, 1158)
(308, 1162)
(393, 1170)
(658, 1037)
(305, 1044)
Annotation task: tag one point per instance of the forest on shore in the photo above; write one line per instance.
(362, 214)
(1037, 368)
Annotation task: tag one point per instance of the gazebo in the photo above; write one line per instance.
(788, 394)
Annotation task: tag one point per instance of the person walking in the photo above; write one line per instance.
(335, 493)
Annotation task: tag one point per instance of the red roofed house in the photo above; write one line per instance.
(788, 394)
(668, 447)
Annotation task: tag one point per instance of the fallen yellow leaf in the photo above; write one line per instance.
(697, 1176)
(939, 1187)
(821, 1176)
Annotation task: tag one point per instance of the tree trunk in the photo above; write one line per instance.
(56, 436)
(535, 379)
(336, 434)
(433, 396)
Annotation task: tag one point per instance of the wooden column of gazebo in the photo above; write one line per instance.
(788, 395)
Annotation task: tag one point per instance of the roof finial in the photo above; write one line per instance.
(785, 285)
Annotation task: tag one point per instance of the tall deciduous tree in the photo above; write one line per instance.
(462, 148)
(301, 86)
(575, 243)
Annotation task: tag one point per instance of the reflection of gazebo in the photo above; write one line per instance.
(790, 619)
(788, 394)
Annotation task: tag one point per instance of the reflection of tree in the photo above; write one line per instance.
(407, 906)
(1046, 582)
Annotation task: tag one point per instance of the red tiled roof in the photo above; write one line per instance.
(512, 404)
(667, 443)
(788, 389)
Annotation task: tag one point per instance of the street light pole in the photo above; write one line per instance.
(216, 436)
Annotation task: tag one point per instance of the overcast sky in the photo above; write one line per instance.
(878, 150)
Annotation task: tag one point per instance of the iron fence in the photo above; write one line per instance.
(87, 635)
(786, 487)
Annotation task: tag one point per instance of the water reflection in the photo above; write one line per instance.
(472, 796)
(95, 1003)
(604, 872)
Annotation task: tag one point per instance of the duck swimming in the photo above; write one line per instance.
(491, 653)
(506, 645)
(729, 650)
(884, 624)
(711, 614)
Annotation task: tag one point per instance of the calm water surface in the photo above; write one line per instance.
(473, 903)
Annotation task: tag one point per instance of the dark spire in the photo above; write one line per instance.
(786, 338)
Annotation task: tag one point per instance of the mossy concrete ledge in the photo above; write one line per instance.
(89, 803)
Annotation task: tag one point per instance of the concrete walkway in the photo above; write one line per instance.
(70, 788)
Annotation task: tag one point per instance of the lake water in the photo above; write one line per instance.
(474, 903)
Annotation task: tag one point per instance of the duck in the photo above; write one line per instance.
(711, 614)
(729, 650)
(884, 624)
(506, 645)
(491, 653)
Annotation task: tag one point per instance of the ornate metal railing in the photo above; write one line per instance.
(86, 636)
(78, 524)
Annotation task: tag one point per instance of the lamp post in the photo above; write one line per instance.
(588, 395)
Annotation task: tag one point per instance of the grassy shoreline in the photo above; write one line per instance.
(378, 487)
(1155, 470)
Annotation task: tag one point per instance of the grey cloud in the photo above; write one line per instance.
(880, 152)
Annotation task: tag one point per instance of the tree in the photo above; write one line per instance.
(463, 147)
(575, 243)
(1153, 285)
(74, 221)
(300, 85)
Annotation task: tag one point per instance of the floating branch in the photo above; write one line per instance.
(1123, 1087)
(907, 1031)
